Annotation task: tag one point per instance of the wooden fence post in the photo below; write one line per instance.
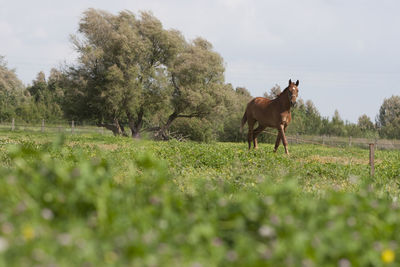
(42, 129)
(323, 139)
(350, 139)
(13, 124)
(72, 127)
(297, 138)
(372, 159)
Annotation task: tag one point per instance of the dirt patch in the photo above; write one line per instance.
(340, 160)
(110, 147)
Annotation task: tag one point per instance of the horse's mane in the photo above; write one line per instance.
(284, 90)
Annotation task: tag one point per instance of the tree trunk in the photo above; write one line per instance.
(136, 125)
(115, 127)
(165, 128)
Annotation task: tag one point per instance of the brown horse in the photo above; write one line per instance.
(271, 113)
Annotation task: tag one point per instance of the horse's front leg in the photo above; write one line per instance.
(278, 141)
(283, 136)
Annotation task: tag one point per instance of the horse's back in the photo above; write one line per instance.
(261, 110)
(261, 100)
(258, 103)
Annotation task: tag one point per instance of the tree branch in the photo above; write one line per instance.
(176, 87)
(188, 115)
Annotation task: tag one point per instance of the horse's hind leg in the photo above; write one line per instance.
(250, 133)
(257, 131)
(278, 141)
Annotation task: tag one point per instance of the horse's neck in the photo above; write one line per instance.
(283, 100)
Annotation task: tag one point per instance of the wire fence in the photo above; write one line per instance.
(73, 127)
(77, 127)
(341, 142)
(338, 141)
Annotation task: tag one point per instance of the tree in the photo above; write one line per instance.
(11, 91)
(365, 124)
(39, 87)
(273, 92)
(234, 101)
(121, 72)
(298, 124)
(313, 118)
(337, 125)
(243, 91)
(46, 97)
(197, 78)
(388, 119)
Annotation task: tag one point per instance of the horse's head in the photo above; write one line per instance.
(293, 92)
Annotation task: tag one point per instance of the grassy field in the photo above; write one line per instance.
(98, 200)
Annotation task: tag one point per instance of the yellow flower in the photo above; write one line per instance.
(28, 233)
(387, 256)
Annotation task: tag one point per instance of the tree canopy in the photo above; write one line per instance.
(11, 91)
(131, 67)
(389, 117)
(122, 59)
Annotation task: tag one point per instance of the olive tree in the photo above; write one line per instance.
(11, 90)
(197, 78)
(121, 68)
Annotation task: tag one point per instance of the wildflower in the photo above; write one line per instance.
(28, 233)
(7, 228)
(266, 231)
(344, 263)
(231, 255)
(64, 239)
(217, 242)
(351, 221)
(3, 244)
(387, 256)
(47, 214)
(222, 202)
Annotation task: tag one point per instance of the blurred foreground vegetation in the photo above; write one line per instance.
(101, 200)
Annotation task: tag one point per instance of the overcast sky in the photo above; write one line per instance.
(346, 54)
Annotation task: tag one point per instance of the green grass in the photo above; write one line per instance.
(104, 200)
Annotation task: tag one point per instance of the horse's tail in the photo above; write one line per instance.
(244, 119)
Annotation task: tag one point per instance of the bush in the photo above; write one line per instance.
(75, 213)
(193, 129)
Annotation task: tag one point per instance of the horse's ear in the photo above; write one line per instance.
(297, 83)
(290, 81)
